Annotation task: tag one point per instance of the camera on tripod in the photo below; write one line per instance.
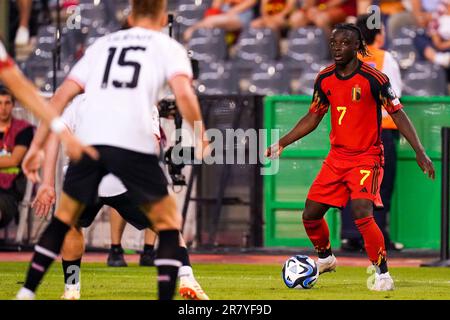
(168, 109)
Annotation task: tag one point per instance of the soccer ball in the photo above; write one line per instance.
(300, 272)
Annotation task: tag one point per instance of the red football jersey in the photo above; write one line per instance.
(355, 102)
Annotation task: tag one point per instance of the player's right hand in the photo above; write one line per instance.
(32, 163)
(74, 149)
(274, 151)
(425, 164)
(45, 198)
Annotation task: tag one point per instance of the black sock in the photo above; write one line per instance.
(149, 248)
(167, 261)
(325, 253)
(71, 271)
(116, 247)
(383, 266)
(45, 252)
(184, 257)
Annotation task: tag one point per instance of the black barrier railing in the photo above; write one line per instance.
(444, 260)
(228, 197)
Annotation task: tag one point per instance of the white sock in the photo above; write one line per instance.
(442, 59)
(185, 271)
(25, 294)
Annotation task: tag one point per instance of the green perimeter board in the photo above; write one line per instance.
(415, 216)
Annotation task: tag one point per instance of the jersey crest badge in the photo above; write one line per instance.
(356, 93)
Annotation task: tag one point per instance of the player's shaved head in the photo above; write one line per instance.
(147, 8)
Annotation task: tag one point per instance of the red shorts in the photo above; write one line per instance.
(342, 179)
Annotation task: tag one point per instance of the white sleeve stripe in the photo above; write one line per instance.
(76, 80)
(167, 262)
(45, 252)
(180, 73)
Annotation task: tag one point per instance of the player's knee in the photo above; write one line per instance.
(314, 210)
(66, 217)
(311, 214)
(168, 223)
(163, 215)
(362, 208)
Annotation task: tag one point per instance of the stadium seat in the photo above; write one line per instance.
(93, 15)
(208, 45)
(424, 79)
(306, 45)
(269, 78)
(253, 47)
(304, 84)
(95, 33)
(71, 39)
(188, 15)
(403, 49)
(256, 46)
(217, 78)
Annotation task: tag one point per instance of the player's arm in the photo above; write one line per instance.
(306, 125)
(189, 106)
(46, 195)
(407, 129)
(74, 150)
(393, 106)
(24, 91)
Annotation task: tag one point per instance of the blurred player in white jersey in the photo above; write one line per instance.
(24, 92)
(111, 193)
(122, 75)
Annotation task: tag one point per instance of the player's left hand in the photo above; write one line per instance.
(425, 164)
(45, 198)
(32, 163)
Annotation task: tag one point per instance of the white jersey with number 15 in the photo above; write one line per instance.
(124, 74)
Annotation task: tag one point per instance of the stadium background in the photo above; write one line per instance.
(270, 80)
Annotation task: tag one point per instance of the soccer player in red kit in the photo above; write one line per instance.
(354, 93)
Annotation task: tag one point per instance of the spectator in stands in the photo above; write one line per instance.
(418, 13)
(230, 15)
(385, 62)
(15, 138)
(274, 14)
(23, 32)
(392, 13)
(322, 13)
(434, 45)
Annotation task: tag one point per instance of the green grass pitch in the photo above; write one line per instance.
(232, 282)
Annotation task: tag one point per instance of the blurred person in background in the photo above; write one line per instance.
(387, 8)
(230, 15)
(23, 32)
(15, 137)
(434, 45)
(322, 13)
(274, 14)
(418, 13)
(385, 62)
